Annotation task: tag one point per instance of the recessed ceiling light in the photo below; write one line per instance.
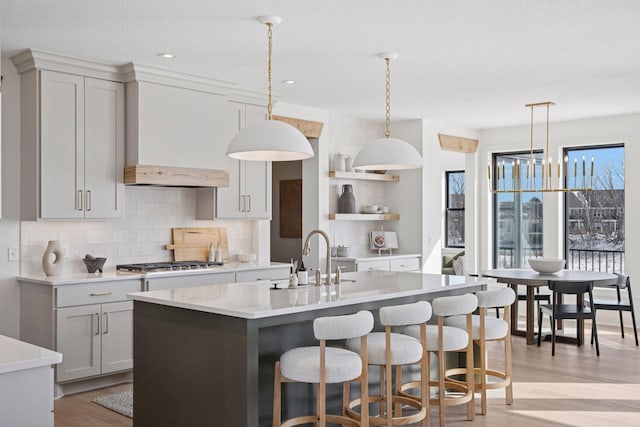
(290, 82)
(166, 55)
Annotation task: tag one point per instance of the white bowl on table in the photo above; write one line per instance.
(546, 265)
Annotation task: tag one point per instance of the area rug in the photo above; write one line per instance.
(121, 403)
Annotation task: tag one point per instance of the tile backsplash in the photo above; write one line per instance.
(150, 213)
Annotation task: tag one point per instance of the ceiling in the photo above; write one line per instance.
(472, 63)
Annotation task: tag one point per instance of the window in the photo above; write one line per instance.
(517, 216)
(594, 220)
(454, 220)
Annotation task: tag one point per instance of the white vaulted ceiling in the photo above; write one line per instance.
(472, 62)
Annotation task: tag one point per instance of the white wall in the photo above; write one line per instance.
(283, 248)
(597, 131)
(422, 219)
(140, 236)
(10, 222)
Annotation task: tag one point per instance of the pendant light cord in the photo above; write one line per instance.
(270, 36)
(387, 132)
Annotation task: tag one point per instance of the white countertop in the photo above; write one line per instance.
(373, 256)
(18, 355)
(110, 275)
(258, 300)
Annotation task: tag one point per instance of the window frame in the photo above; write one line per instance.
(494, 201)
(448, 209)
(565, 199)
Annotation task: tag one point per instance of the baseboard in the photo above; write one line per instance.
(64, 389)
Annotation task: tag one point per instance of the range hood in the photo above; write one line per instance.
(166, 176)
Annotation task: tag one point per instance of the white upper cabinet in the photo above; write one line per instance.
(249, 193)
(72, 150)
(175, 126)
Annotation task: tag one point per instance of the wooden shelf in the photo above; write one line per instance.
(364, 176)
(365, 217)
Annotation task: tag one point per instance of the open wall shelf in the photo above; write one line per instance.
(364, 176)
(364, 217)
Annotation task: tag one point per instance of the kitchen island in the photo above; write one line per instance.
(205, 355)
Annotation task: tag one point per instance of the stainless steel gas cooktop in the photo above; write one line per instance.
(168, 266)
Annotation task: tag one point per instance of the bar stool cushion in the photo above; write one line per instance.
(302, 364)
(404, 349)
(454, 338)
(495, 329)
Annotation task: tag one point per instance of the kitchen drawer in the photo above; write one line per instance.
(96, 292)
(262, 274)
(405, 264)
(175, 282)
(382, 265)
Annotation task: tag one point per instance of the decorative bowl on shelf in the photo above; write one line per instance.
(546, 265)
(370, 209)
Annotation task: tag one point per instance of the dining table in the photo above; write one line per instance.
(530, 278)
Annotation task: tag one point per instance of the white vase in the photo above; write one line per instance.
(53, 259)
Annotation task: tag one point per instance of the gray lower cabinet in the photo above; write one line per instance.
(91, 324)
(94, 339)
(173, 282)
(379, 264)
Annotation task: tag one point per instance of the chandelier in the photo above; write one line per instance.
(542, 176)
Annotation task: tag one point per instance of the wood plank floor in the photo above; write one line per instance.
(574, 388)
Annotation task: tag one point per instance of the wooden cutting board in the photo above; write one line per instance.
(192, 244)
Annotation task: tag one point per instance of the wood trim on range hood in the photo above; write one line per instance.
(166, 176)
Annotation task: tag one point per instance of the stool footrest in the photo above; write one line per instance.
(381, 420)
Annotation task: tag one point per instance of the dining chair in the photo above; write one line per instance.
(561, 311)
(619, 305)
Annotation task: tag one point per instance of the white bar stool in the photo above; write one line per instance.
(441, 339)
(322, 365)
(387, 349)
(491, 329)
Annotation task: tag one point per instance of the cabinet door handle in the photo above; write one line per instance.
(99, 294)
(249, 198)
(79, 198)
(88, 200)
(106, 323)
(97, 321)
(242, 203)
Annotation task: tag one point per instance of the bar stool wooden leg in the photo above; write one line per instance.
(398, 408)
(471, 412)
(277, 397)
(507, 362)
(483, 364)
(441, 374)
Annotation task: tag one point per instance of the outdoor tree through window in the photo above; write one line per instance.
(595, 219)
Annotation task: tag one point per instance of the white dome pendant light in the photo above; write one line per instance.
(269, 140)
(388, 153)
